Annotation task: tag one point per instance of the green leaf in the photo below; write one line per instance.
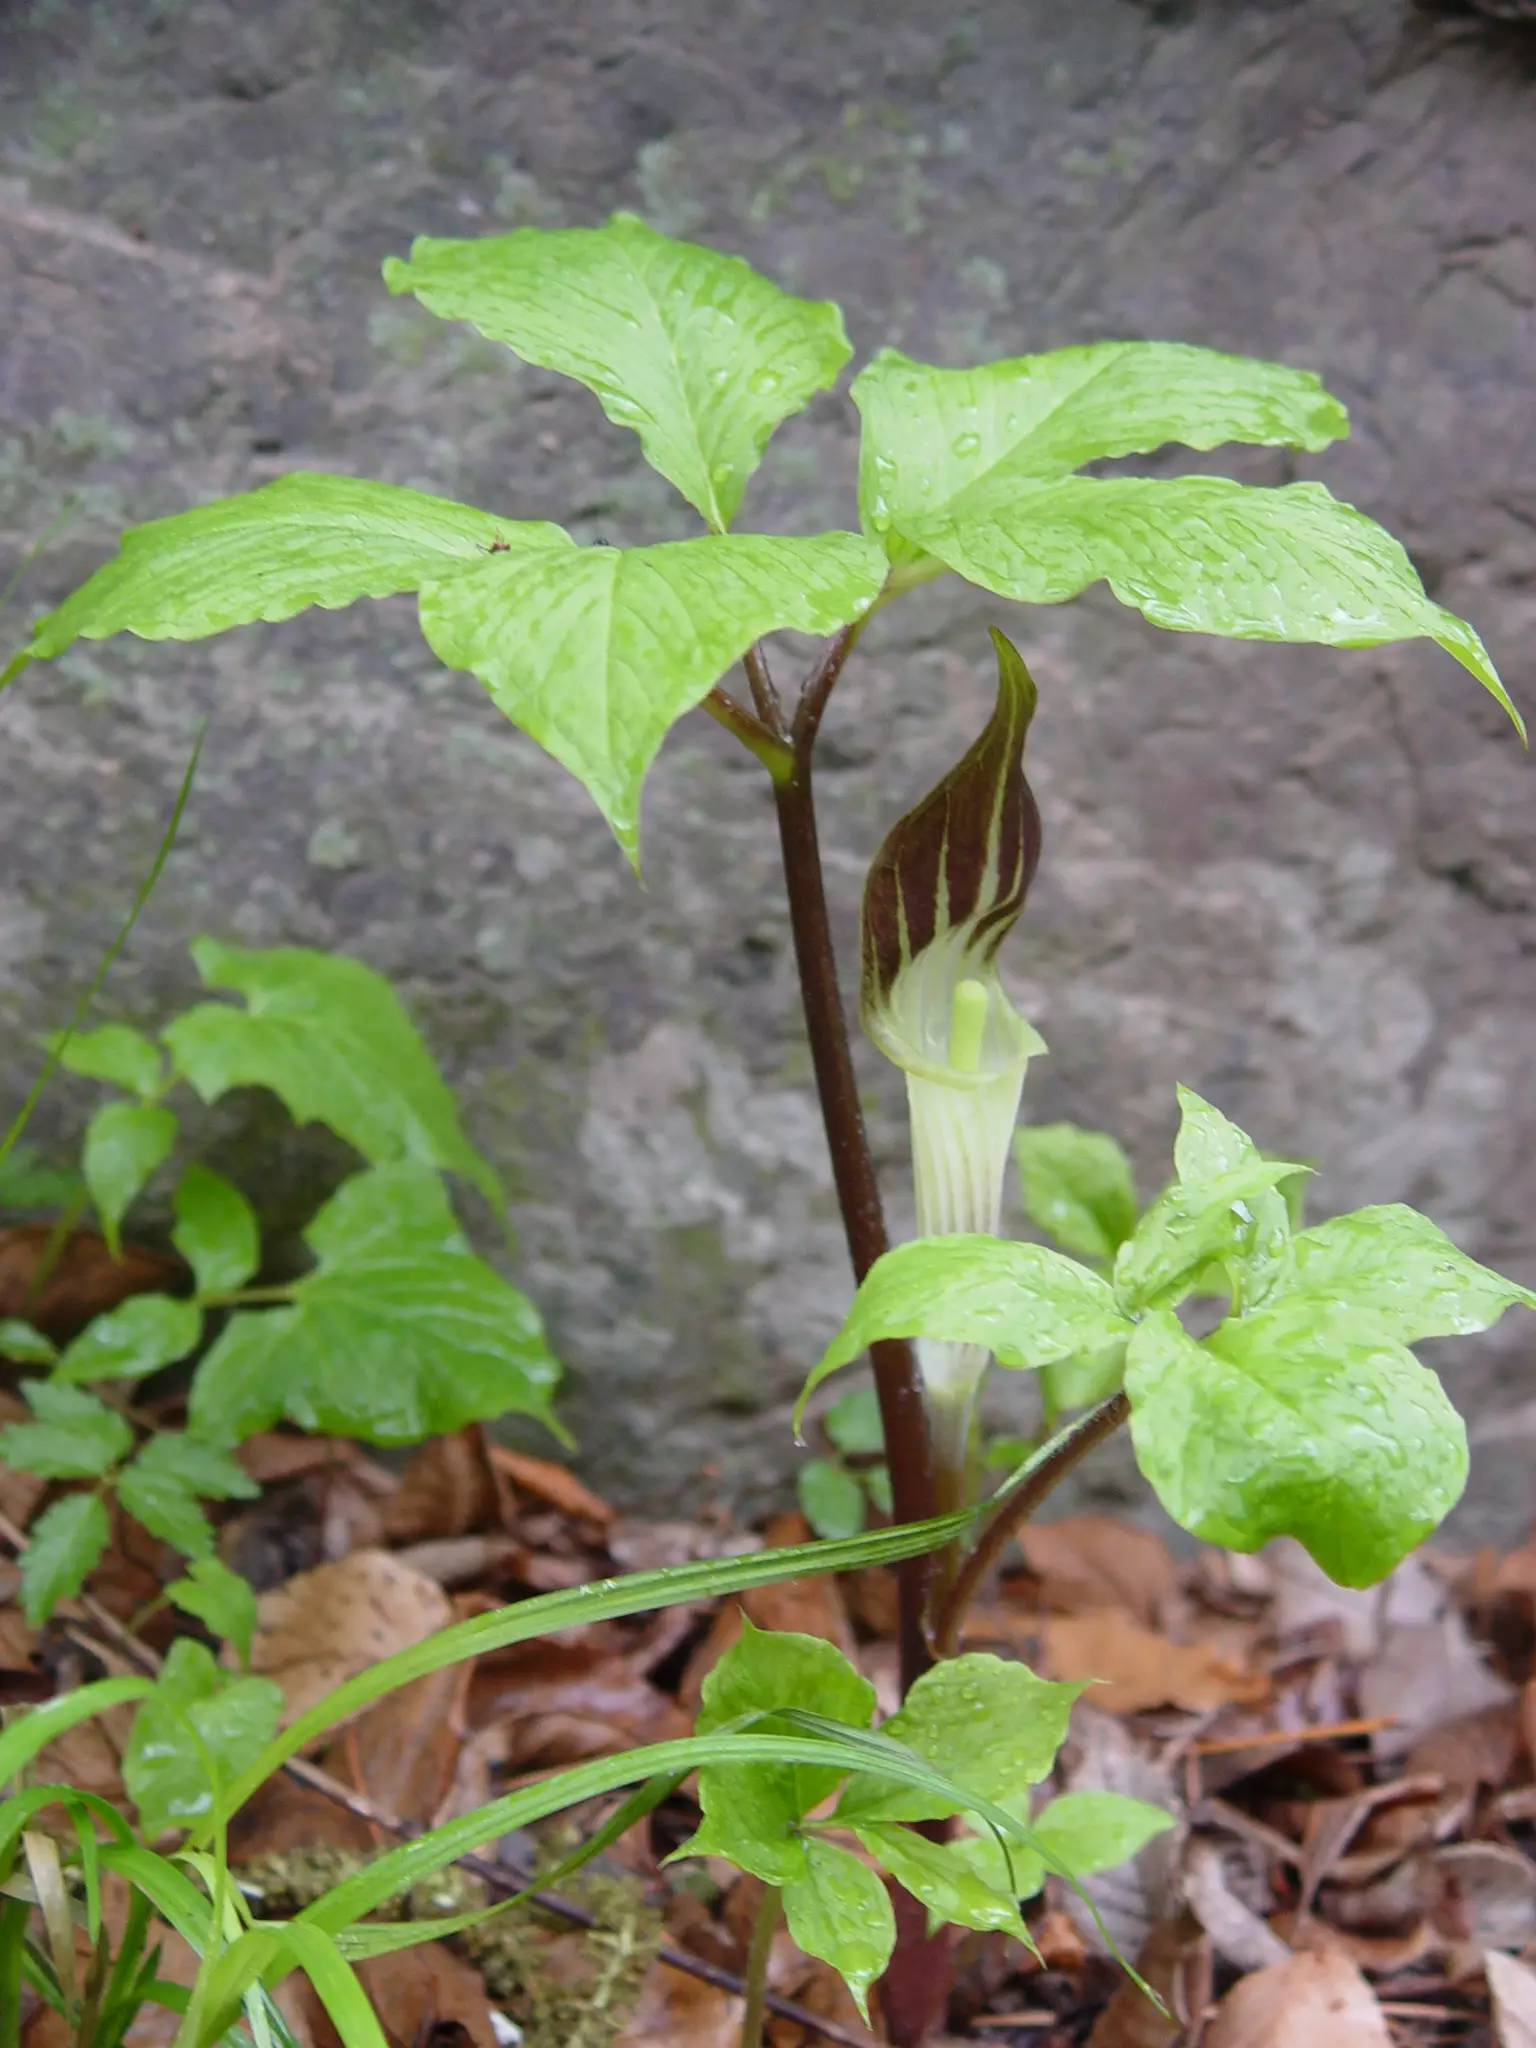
(992, 1725)
(853, 1424)
(838, 1910)
(831, 1498)
(1027, 1305)
(75, 1436)
(1189, 1227)
(933, 439)
(695, 351)
(392, 1340)
(1210, 1145)
(124, 1143)
(1077, 1187)
(947, 1883)
(1398, 1275)
(129, 1343)
(166, 1509)
(197, 1466)
(64, 1545)
(113, 1052)
(26, 1183)
(1201, 554)
(304, 540)
(1339, 1438)
(389, 1209)
(596, 652)
(332, 1039)
(1083, 1379)
(23, 1344)
(216, 1231)
(196, 1731)
(221, 1599)
(1089, 1831)
(752, 1816)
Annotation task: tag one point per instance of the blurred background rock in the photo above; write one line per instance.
(1302, 881)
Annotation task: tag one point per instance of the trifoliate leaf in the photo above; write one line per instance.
(1338, 1437)
(391, 1340)
(128, 1343)
(992, 1726)
(216, 1231)
(1077, 1187)
(124, 1143)
(695, 351)
(932, 438)
(304, 540)
(331, 1038)
(596, 652)
(1027, 1305)
(75, 1436)
(64, 1546)
(219, 1598)
(114, 1053)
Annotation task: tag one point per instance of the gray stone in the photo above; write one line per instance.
(1302, 881)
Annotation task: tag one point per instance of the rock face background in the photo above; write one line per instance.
(1304, 882)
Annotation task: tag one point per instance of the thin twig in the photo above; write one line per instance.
(770, 747)
(505, 1879)
(765, 697)
(1017, 1507)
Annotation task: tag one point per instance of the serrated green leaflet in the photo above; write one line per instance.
(596, 652)
(1077, 1187)
(331, 1038)
(305, 540)
(75, 1436)
(1027, 1305)
(125, 1142)
(1396, 1272)
(1338, 1437)
(391, 1340)
(114, 1053)
(1201, 554)
(221, 1599)
(167, 1509)
(933, 439)
(128, 1343)
(695, 351)
(1000, 1721)
(216, 1231)
(63, 1546)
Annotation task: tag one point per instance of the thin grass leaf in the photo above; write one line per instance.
(26, 1738)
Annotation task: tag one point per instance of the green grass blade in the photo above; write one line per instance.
(39, 1726)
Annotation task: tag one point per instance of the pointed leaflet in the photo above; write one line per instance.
(1336, 1436)
(113, 1052)
(395, 1337)
(695, 351)
(838, 1910)
(333, 1040)
(75, 1436)
(307, 539)
(596, 652)
(216, 1231)
(130, 1342)
(125, 1142)
(194, 1733)
(1027, 1305)
(932, 436)
(64, 1546)
(1201, 554)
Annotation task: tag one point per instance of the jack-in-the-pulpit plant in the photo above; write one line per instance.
(1302, 1412)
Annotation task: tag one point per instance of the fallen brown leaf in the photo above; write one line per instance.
(85, 1282)
(326, 1625)
(1482, 1893)
(1086, 1561)
(1311, 1999)
(1142, 1669)
(552, 1484)
(1512, 1986)
(1176, 1962)
(447, 1489)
